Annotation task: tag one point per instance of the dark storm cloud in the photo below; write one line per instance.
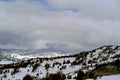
(14, 39)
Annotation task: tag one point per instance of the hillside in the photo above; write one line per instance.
(92, 64)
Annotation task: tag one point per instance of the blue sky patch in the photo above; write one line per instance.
(7, 0)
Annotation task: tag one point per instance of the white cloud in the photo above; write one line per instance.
(102, 9)
(95, 25)
(40, 44)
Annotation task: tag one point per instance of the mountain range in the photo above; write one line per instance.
(86, 65)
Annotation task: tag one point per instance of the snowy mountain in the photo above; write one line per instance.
(15, 56)
(94, 64)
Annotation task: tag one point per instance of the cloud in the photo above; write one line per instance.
(40, 44)
(13, 40)
(102, 9)
(57, 46)
(96, 23)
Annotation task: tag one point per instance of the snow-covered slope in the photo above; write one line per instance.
(111, 77)
(41, 55)
(18, 56)
(89, 62)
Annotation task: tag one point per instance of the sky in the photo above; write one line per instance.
(66, 25)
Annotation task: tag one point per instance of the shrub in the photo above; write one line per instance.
(69, 77)
(5, 76)
(68, 61)
(27, 77)
(63, 67)
(90, 61)
(75, 77)
(47, 66)
(64, 62)
(35, 67)
(80, 75)
(57, 76)
(14, 71)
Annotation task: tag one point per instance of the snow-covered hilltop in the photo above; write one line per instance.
(93, 64)
(29, 56)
